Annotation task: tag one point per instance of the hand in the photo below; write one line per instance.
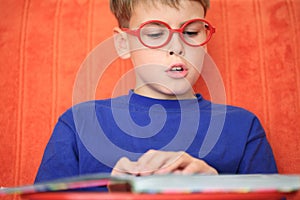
(162, 162)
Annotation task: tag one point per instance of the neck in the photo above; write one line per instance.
(167, 95)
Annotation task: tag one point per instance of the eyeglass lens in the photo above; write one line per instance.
(156, 34)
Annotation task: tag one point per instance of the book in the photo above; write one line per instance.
(170, 183)
(215, 183)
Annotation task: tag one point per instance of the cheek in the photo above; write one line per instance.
(145, 56)
(135, 46)
(195, 58)
(194, 76)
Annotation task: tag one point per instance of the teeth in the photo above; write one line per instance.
(177, 69)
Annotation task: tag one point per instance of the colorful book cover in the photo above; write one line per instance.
(170, 183)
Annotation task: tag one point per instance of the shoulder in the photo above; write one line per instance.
(89, 107)
(244, 121)
(233, 116)
(238, 123)
(229, 110)
(240, 111)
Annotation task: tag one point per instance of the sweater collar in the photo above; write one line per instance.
(143, 101)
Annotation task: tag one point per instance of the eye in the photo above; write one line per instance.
(155, 35)
(191, 33)
(194, 29)
(154, 30)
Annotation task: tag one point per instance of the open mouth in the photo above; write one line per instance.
(178, 70)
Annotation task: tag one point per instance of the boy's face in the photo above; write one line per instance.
(170, 71)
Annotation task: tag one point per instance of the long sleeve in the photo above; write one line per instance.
(61, 154)
(258, 156)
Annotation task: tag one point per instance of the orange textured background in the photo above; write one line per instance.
(43, 43)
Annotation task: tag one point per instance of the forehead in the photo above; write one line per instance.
(174, 15)
(171, 3)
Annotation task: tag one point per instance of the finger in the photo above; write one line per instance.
(178, 172)
(189, 165)
(151, 161)
(124, 166)
(199, 166)
(175, 162)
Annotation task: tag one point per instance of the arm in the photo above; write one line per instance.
(258, 156)
(61, 155)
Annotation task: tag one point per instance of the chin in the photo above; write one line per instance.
(177, 93)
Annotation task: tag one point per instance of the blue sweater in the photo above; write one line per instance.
(91, 137)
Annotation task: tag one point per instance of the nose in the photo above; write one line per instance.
(176, 45)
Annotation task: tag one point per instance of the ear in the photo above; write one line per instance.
(121, 43)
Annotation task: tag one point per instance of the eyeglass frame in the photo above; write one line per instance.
(136, 32)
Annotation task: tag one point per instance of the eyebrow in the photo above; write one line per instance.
(181, 24)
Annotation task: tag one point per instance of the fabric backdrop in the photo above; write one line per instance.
(43, 44)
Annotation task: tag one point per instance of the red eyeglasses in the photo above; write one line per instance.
(155, 34)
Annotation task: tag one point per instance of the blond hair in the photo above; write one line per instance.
(122, 9)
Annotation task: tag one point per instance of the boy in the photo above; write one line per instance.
(161, 125)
